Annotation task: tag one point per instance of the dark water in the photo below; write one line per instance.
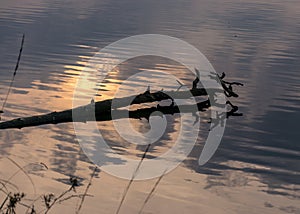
(255, 169)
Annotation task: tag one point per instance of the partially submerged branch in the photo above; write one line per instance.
(62, 117)
(104, 109)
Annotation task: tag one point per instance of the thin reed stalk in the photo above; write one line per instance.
(14, 75)
(152, 191)
(133, 176)
(86, 190)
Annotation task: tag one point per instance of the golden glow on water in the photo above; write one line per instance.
(179, 192)
(253, 42)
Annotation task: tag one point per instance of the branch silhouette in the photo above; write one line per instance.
(103, 109)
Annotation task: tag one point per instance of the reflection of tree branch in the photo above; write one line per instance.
(220, 117)
(233, 111)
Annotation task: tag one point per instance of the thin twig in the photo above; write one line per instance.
(86, 190)
(74, 196)
(133, 176)
(3, 186)
(152, 191)
(14, 74)
(20, 169)
(5, 183)
(7, 196)
(56, 199)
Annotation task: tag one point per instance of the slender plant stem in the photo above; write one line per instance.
(86, 190)
(14, 74)
(152, 191)
(133, 176)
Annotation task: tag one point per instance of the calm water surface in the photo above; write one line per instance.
(256, 168)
